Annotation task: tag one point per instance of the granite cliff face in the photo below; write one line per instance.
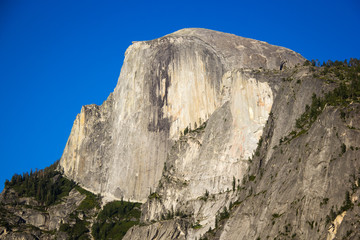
(168, 85)
(219, 137)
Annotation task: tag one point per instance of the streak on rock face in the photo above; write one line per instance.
(210, 160)
(159, 82)
(118, 149)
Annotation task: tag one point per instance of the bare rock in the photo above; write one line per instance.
(167, 85)
(172, 229)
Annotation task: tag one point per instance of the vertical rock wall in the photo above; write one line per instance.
(166, 85)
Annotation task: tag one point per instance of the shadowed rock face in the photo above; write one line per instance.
(303, 190)
(118, 149)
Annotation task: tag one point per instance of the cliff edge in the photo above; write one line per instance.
(165, 86)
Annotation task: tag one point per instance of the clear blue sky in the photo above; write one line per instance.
(56, 56)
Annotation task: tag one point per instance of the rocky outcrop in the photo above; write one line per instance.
(177, 229)
(53, 216)
(299, 185)
(219, 141)
(206, 166)
(308, 188)
(26, 218)
(87, 149)
(168, 85)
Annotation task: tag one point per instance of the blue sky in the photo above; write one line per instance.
(56, 56)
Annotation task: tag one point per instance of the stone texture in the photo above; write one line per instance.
(215, 158)
(303, 180)
(181, 133)
(24, 212)
(174, 229)
(60, 212)
(166, 85)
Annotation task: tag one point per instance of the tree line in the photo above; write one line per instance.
(46, 185)
(353, 62)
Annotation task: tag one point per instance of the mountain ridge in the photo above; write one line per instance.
(228, 139)
(165, 86)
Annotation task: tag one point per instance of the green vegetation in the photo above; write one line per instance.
(311, 224)
(181, 214)
(154, 195)
(324, 202)
(288, 79)
(196, 129)
(197, 225)
(76, 231)
(252, 178)
(91, 201)
(347, 205)
(224, 214)
(276, 215)
(186, 131)
(221, 216)
(257, 151)
(346, 77)
(116, 219)
(5, 214)
(343, 148)
(307, 63)
(234, 184)
(201, 127)
(311, 113)
(47, 185)
(206, 196)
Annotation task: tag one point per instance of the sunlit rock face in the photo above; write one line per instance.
(166, 85)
